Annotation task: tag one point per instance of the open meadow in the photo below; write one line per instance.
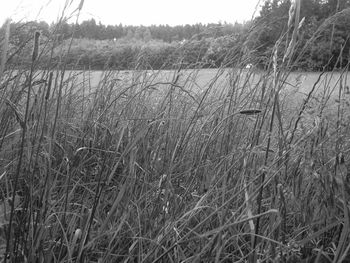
(294, 88)
(296, 82)
(184, 165)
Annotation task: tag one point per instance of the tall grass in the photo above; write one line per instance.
(154, 167)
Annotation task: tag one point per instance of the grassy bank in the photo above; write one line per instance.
(175, 169)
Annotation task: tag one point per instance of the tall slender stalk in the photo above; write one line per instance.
(22, 144)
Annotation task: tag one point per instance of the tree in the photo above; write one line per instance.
(272, 24)
(89, 29)
(147, 36)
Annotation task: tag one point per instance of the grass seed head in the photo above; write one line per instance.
(36, 46)
(250, 111)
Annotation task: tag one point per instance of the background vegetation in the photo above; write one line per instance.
(98, 46)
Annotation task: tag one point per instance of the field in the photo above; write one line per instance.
(296, 82)
(183, 165)
(295, 87)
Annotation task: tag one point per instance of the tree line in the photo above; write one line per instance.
(90, 29)
(328, 21)
(208, 45)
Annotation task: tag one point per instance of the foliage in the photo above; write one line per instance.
(333, 39)
(208, 45)
(89, 29)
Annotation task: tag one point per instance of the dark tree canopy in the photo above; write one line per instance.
(272, 22)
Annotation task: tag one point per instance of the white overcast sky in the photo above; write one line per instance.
(135, 12)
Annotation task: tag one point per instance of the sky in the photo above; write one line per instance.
(134, 12)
